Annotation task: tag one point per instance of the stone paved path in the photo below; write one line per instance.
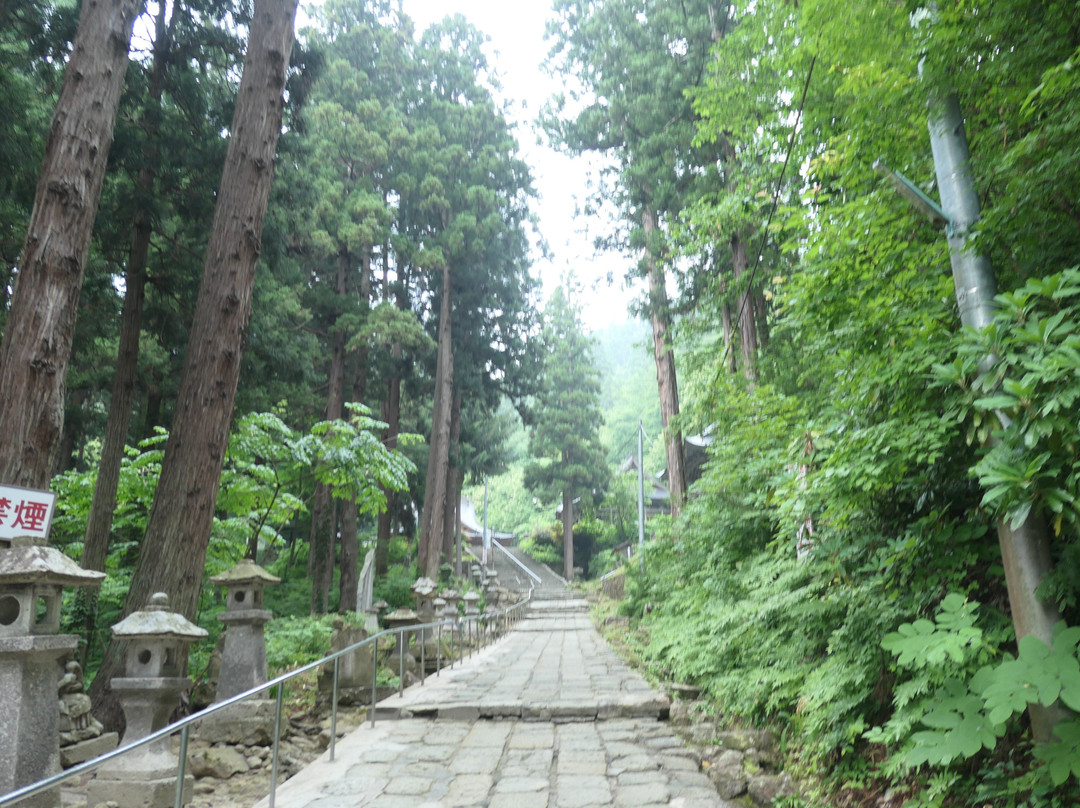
(547, 717)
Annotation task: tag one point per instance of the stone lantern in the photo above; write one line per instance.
(472, 606)
(424, 593)
(452, 598)
(243, 660)
(492, 590)
(32, 578)
(439, 607)
(154, 677)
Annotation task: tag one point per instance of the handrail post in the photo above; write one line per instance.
(333, 709)
(181, 766)
(404, 649)
(374, 677)
(422, 636)
(277, 743)
(438, 652)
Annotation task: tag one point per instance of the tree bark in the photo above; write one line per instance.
(453, 473)
(729, 337)
(37, 337)
(173, 555)
(325, 509)
(350, 518)
(103, 504)
(568, 530)
(747, 325)
(435, 494)
(666, 380)
(349, 581)
(392, 416)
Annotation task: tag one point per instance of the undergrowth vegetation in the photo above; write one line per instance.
(848, 588)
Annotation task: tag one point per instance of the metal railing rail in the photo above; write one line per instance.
(518, 561)
(467, 631)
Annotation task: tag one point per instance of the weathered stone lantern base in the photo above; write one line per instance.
(243, 660)
(29, 739)
(138, 791)
(247, 723)
(145, 778)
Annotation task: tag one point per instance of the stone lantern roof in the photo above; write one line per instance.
(472, 596)
(156, 621)
(401, 617)
(246, 571)
(41, 564)
(424, 586)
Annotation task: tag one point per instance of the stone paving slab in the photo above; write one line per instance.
(547, 717)
(627, 763)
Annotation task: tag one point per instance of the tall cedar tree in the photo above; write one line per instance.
(355, 134)
(630, 65)
(38, 333)
(570, 460)
(173, 554)
(471, 218)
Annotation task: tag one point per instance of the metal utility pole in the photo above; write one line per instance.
(1025, 550)
(640, 489)
(486, 542)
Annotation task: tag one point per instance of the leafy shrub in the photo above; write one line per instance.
(953, 703)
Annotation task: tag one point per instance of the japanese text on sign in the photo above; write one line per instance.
(25, 512)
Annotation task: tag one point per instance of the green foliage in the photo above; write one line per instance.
(964, 701)
(295, 641)
(545, 546)
(396, 586)
(1033, 465)
(512, 508)
(568, 458)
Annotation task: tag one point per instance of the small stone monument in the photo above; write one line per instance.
(439, 607)
(243, 659)
(492, 592)
(365, 587)
(424, 593)
(356, 671)
(32, 578)
(452, 598)
(81, 735)
(149, 692)
(401, 658)
(472, 608)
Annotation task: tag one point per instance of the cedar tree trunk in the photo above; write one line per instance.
(324, 513)
(666, 380)
(568, 530)
(435, 494)
(103, 504)
(173, 554)
(453, 472)
(37, 338)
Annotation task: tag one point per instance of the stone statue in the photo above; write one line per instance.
(76, 722)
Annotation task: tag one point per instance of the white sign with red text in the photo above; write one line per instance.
(25, 512)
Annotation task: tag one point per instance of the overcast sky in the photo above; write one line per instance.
(517, 50)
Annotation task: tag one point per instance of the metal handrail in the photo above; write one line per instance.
(464, 625)
(518, 561)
